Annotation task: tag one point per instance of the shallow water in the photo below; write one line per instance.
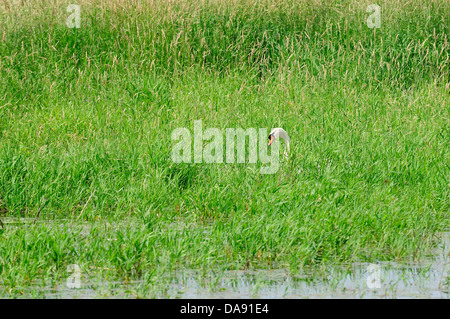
(427, 279)
(415, 281)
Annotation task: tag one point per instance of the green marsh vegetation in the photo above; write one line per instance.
(86, 116)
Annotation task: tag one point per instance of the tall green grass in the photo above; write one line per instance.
(86, 117)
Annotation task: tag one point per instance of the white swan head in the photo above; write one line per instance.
(280, 133)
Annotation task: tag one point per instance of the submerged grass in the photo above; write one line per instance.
(86, 117)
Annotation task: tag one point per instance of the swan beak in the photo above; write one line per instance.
(271, 139)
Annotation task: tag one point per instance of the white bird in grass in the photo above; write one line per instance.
(277, 133)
